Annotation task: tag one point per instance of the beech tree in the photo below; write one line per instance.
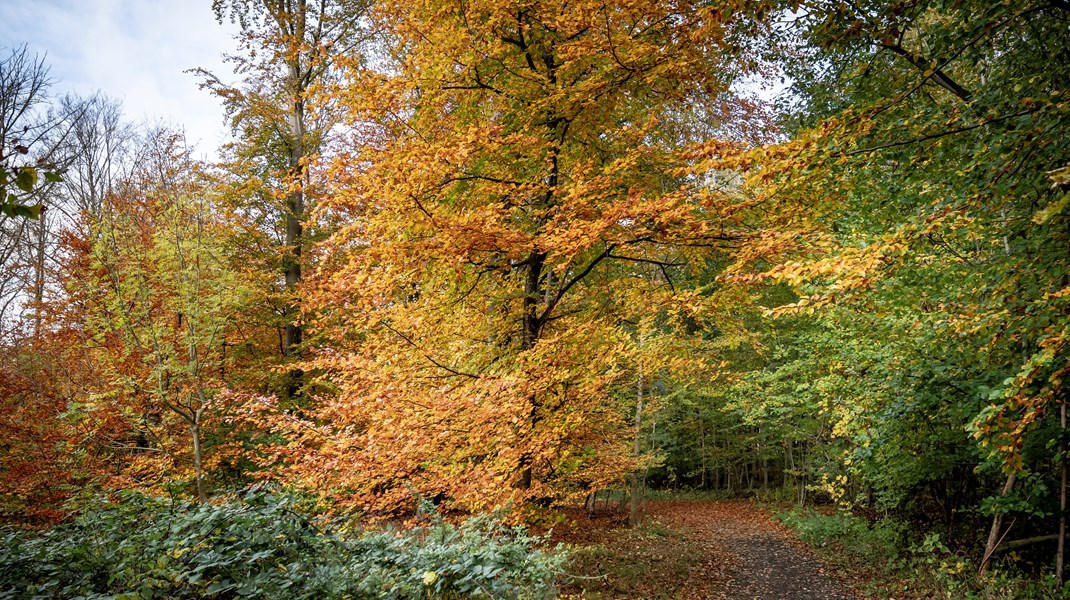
(514, 173)
(924, 184)
(161, 302)
(287, 53)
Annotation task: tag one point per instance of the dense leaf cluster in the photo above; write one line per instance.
(265, 546)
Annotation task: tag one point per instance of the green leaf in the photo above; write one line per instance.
(29, 211)
(26, 179)
(217, 587)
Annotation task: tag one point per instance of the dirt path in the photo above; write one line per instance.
(764, 560)
(697, 550)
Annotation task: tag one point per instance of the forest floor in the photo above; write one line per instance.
(693, 550)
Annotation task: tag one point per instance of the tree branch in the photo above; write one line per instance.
(426, 357)
(937, 74)
(934, 136)
(579, 277)
(645, 260)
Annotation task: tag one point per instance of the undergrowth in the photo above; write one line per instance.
(888, 560)
(264, 546)
(649, 561)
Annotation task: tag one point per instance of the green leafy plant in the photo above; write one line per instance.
(264, 546)
(847, 535)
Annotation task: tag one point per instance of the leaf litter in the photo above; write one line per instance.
(693, 550)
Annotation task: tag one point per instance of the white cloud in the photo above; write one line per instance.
(135, 51)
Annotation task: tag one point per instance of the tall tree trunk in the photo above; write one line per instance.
(789, 464)
(292, 21)
(994, 533)
(1060, 553)
(295, 214)
(39, 275)
(633, 515)
(702, 450)
(198, 457)
(530, 326)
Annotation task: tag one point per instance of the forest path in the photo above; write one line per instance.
(697, 550)
(764, 560)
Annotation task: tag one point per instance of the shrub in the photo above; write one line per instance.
(263, 547)
(848, 535)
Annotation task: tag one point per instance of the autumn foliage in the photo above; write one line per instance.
(510, 255)
(510, 222)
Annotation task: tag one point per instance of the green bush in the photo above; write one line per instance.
(848, 535)
(263, 547)
(918, 565)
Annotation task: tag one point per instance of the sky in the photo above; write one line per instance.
(134, 51)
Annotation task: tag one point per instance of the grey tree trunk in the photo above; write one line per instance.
(994, 532)
(295, 212)
(633, 513)
(39, 273)
(198, 458)
(1060, 553)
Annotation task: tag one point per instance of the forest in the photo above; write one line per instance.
(470, 267)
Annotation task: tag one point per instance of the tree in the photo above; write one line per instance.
(46, 369)
(292, 45)
(162, 299)
(916, 183)
(509, 192)
(32, 133)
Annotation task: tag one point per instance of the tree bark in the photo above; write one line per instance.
(938, 75)
(1060, 552)
(39, 275)
(1028, 541)
(293, 335)
(198, 462)
(702, 450)
(295, 212)
(994, 532)
(633, 515)
(765, 473)
(530, 331)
